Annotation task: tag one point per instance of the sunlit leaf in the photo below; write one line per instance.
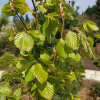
(46, 90)
(40, 73)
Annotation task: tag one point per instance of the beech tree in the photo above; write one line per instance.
(38, 63)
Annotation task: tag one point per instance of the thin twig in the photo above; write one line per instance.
(67, 11)
(63, 20)
(21, 20)
(35, 14)
(62, 27)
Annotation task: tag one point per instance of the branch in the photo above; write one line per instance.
(63, 20)
(21, 20)
(35, 14)
(13, 9)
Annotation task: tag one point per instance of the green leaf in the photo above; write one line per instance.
(45, 25)
(24, 68)
(60, 48)
(40, 73)
(73, 76)
(8, 34)
(5, 90)
(17, 94)
(46, 90)
(71, 40)
(35, 92)
(47, 62)
(69, 84)
(7, 10)
(87, 28)
(48, 2)
(24, 61)
(96, 35)
(84, 54)
(92, 25)
(36, 35)
(11, 38)
(54, 80)
(23, 41)
(19, 65)
(78, 57)
(19, 5)
(72, 55)
(52, 15)
(2, 97)
(30, 74)
(45, 56)
(69, 16)
(41, 8)
(62, 61)
(70, 97)
(35, 85)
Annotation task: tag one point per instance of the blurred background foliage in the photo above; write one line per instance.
(4, 20)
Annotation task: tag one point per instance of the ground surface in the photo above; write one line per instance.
(84, 92)
(90, 64)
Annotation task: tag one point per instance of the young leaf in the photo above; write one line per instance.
(73, 76)
(23, 41)
(41, 8)
(19, 65)
(17, 94)
(72, 55)
(78, 57)
(46, 90)
(19, 5)
(5, 90)
(30, 74)
(40, 73)
(92, 25)
(71, 40)
(48, 2)
(60, 48)
(87, 28)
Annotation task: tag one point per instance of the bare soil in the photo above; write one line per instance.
(84, 92)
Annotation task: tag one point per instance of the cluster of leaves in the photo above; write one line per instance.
(6, 59)
(38, 63)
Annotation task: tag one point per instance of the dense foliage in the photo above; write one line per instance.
(42, 62)
(6, 59)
